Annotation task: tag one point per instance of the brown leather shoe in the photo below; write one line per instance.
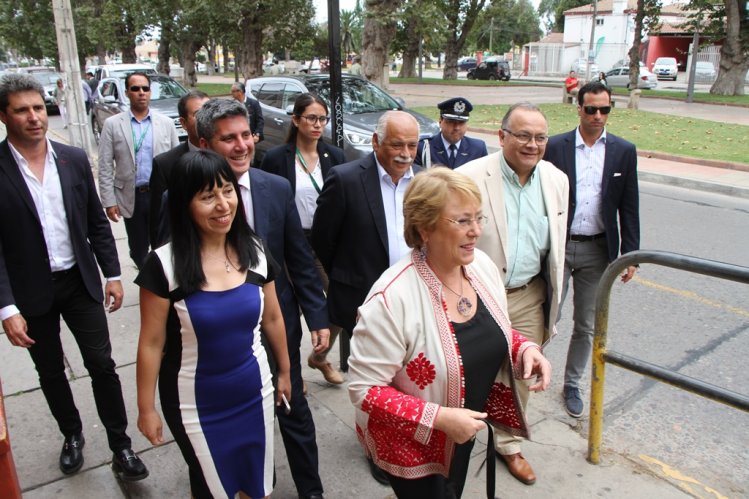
(519, 468)
(329, 373)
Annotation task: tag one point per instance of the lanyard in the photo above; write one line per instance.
(306, 170)
(139, 143)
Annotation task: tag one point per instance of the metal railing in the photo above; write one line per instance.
(601, 356)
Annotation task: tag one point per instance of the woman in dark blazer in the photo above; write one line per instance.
(305, 161)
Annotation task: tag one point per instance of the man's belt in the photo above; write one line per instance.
(579, 238)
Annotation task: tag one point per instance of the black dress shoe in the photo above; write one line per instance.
(71, 457)
(378, 474)
(312, 496)
(127, 466)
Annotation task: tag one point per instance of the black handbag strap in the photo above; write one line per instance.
(491, 466)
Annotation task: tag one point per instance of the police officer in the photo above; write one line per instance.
(451, 147)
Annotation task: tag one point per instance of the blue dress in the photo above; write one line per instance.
(215, 383)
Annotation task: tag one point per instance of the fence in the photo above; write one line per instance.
(601, 356)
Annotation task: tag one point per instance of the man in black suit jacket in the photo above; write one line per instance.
(254, 111)
(271, 211)
(357, 231)
(187, 107)
(53, 231)
(602, 172)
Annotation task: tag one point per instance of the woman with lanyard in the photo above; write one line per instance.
(305, 161)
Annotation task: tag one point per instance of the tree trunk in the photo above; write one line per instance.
(225, 53)
(634, 51)
(452, 52)
(251, 51)
(164, 48)
(189, 48)
(210, 64)
(733, 60)
(411, 52)
(379, 31)
(455, 42)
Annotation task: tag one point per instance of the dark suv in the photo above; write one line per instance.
(490, 69)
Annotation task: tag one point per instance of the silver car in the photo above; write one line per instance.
(619, 77)
(363, 104)
(704, 71)
(110, 99)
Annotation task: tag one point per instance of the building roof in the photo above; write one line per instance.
(606, 7)
(552, 38)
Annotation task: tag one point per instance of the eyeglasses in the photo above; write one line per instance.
(143, 88)
(524, 138)
(467, 223)
(312, 119)
(591, 110)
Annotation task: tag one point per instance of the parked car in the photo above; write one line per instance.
(704, 71)
(363, 104)
(666, 68)
(466, 63)
(110, 100)
(121, 70)
(619, 77)
(490, 69)
(48, 79)
(580, 66)
(312, 67)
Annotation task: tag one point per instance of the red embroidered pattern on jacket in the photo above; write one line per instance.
(500, 406)
(421, 371)
(517, 341)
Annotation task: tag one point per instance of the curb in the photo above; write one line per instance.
(689, 183)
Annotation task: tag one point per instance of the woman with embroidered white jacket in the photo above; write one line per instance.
(433, 353)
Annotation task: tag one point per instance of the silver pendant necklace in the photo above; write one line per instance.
(464, 304)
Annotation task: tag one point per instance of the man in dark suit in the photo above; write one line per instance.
(254, 111)
(357, 232)
(451, 147)
(53, 231)
(271, 211)
(602, 173)
(187, 107)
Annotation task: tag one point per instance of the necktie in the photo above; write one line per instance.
(451, 156)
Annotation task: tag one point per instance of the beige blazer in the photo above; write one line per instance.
(487, 174)
(117, 158)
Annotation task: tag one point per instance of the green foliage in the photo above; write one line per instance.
(25, 28)
(503, 23)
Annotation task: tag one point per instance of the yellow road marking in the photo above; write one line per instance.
(690, 295)
(675, 474)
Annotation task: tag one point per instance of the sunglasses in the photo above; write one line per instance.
(136, 88)
(593, 109)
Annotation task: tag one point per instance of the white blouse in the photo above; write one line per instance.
(306, 194)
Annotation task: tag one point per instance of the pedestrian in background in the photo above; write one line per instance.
(60, 101)
(305, 160)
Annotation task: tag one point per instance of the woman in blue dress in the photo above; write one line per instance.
(203, 299)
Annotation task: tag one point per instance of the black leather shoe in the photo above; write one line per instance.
(312, 496)
(71, 457)
(377, 473)
(127, 466)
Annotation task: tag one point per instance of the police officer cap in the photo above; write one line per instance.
(456, 109)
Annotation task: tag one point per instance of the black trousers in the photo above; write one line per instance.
(88, 323)
(137, 227)
(437, 486)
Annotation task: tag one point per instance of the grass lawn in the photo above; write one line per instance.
(216, 88)
(648, 131)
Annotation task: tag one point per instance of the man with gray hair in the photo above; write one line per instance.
(271, 211)
(254, 110)
(525, 199)
(55, 238)
(357, 232)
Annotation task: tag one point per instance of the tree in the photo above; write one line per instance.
(351, 30)
(420, 21)
(461, 16)
(646, 21)
(726, 20)
(504, 24)
(25, 28)
(379, 29)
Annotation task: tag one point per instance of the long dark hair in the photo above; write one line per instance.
(300, 105)
(195, 172)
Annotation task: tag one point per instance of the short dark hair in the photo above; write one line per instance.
(182, 104)
(13, 83)
(199, 170)
(300, 105)
(214, 110)
(592, 87)
(136, 73)
(238, 86)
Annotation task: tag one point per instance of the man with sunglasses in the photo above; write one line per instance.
(602, 172)
(129, 142)
(525, 199)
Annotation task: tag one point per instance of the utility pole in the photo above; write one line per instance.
(592, 41)
(80, 136)
(491, 35)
